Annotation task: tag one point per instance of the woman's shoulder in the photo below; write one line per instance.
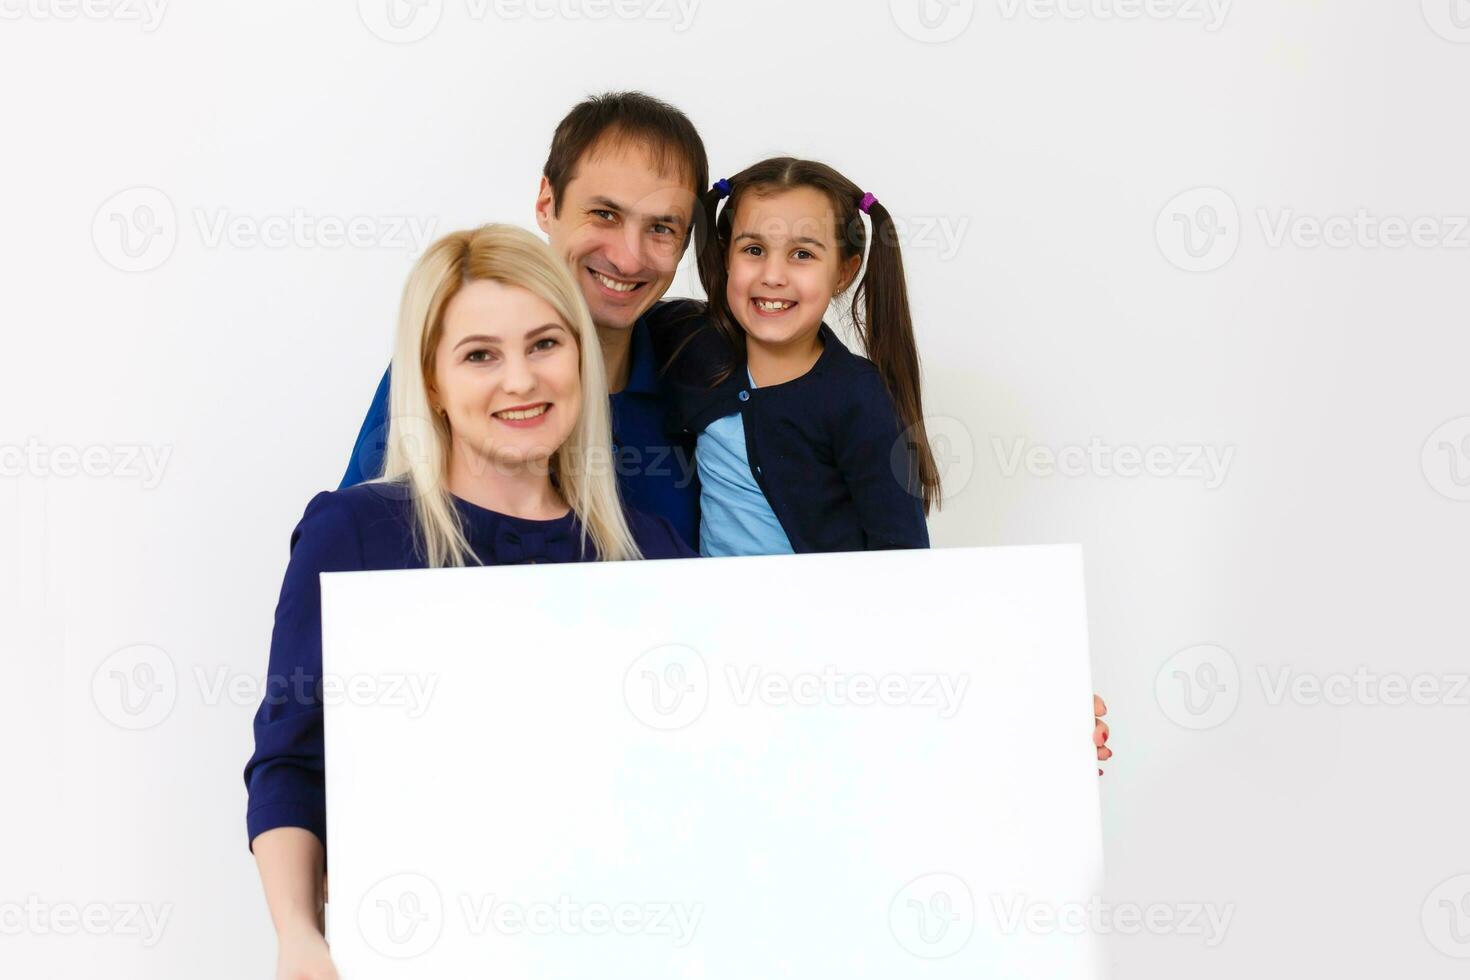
(338, 525)
(656, 537)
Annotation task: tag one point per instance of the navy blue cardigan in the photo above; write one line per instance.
(370, 526)
(826, 448)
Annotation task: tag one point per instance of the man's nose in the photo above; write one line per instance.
(625, 251)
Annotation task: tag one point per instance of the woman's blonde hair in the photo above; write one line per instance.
(418, 441)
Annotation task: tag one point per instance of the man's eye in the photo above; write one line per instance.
(662, 230)
(604, 214)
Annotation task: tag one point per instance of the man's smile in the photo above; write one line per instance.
(612, 284)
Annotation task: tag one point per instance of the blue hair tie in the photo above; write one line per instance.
(723, 186)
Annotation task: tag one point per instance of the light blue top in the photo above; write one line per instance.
(735, 517)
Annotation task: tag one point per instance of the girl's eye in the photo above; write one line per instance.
(752, 250)
(802, 253)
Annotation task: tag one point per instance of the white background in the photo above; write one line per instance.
(1335, 543)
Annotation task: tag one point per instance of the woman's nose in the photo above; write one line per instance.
(518, 376)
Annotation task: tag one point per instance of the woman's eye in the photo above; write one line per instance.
(546, 343)
(478, 356)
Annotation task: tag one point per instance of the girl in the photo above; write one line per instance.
(802, 445)
(498, 418)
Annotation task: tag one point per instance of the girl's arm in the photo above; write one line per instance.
(879, 470)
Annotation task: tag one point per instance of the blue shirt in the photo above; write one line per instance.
(735, 518)
(370, 526)
(655, 471)
(827, 449)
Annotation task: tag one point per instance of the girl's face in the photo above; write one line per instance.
(784, 264)
(508, 375)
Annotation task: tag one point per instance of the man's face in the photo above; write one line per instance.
(622, 229)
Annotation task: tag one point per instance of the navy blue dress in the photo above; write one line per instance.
(370, 527)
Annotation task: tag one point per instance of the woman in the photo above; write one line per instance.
(499, 452)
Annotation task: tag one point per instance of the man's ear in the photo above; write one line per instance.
(545, 206)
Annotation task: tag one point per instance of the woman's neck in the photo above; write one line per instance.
(523, 491)
(774, 364)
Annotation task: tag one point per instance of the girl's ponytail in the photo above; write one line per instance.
(880, 314)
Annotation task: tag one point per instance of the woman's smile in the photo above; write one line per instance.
(523, 416)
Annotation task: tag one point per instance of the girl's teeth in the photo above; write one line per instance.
(528, 413)
(774, 307)
(622, 287)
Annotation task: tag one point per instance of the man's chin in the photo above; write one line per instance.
(614, 317)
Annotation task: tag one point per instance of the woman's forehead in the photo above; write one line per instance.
(496, 309)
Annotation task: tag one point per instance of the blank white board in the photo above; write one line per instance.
(873, 765)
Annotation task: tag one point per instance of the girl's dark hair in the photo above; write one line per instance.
(880, 304)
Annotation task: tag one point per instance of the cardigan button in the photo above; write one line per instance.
(745, 396)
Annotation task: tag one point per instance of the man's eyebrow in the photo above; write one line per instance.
(605, 202)
(611, 205)
(485, 338)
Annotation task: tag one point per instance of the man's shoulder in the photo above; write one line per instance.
(671, 313)
(680, 329)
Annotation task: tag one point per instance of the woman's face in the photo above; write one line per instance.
(508, 375)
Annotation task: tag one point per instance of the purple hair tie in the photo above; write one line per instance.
(723, 186)
(867, 203)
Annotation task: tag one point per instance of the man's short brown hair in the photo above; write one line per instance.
(616, 118)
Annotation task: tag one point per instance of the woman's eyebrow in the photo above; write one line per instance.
(485, 338)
